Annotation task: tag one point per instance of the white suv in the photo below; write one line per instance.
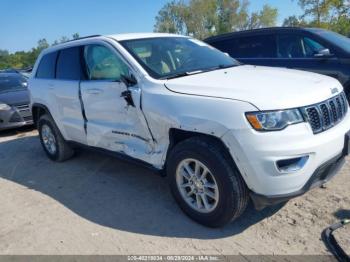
(223, 132)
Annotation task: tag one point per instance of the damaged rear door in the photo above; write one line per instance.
(114, 120)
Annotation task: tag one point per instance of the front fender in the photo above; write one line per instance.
(207, 115)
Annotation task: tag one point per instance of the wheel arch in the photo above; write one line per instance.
(178, 135)
(38, 110)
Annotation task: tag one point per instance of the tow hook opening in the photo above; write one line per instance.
(292, 164)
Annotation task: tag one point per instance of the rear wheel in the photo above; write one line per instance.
(205, 182)
(55, 147)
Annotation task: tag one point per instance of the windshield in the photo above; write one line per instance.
(168, 57)
(12, 82)
(337, 39)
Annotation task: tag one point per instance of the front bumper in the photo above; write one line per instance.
(256, 154)
(17, 116)
(322, 175)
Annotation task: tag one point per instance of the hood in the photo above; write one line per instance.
(15, 97)
(265, 87)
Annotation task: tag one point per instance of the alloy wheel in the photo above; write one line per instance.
(48, 139)
(197, 185)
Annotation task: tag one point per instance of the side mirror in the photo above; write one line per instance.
(129, 80)
(323, 53)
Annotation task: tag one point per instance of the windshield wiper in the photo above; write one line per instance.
(183, 74)
(199, 71)
(222, 67)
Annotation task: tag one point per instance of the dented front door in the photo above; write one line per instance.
(112, 122)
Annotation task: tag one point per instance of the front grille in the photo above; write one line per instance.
(22, 114)
(24, 110)
(327, 114)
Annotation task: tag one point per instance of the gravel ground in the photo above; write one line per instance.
(95, 204)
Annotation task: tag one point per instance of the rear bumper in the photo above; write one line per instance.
(322, 175)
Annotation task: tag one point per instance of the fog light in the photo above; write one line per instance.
(292, 164)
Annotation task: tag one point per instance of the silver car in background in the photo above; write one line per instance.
(14, 101)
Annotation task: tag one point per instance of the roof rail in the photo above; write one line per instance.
(83, 37)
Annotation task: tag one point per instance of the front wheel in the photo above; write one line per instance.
(205, 182)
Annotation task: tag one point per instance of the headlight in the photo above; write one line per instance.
(274, 120)
(4, 107)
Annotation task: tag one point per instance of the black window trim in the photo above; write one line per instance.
(83, 62)
(56, 62)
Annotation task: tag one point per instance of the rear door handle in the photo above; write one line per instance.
(94, 91)
(51, 86)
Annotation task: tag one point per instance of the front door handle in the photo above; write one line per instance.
(94, 91)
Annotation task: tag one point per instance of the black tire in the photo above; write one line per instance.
(347, 93)
(63, 150)
(233, 192)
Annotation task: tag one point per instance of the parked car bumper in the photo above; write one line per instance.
(17, 116)
(256, 155)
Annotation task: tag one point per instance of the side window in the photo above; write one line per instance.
(290, 46)
(68, 64)
(47, 65)
(261, 46)
(311, 47)
(226, 46)
(103, 64)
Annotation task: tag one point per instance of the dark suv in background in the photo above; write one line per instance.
(309, 49)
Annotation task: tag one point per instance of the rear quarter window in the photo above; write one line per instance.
(47, 65)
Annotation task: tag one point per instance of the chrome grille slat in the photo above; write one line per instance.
(327, 118)
(327, 114)
(23, 110)
(339, 108)
(345, 103)
(22, 107)
(334, 110)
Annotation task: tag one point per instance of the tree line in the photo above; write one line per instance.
(204, 18)
(328, 14)
(26, 59)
